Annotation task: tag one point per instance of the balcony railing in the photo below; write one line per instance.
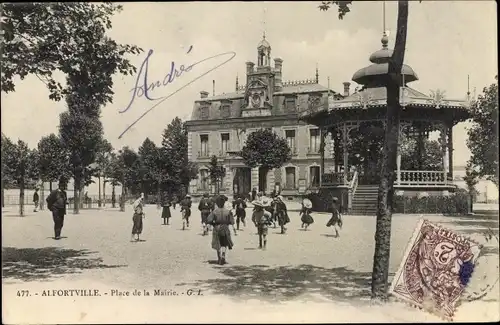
(313, 151)
(422, 178)
(335, 179)
(203, 154)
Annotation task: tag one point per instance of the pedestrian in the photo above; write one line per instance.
(254, 194)
(165, 213)
(221, 218)
(138, 207)
(281, 213)
(174, 201)
(205, 207)
(239, 207)
(336, 219)
(186, 210)
(261, 219)
(305, 213)
(36, 199)
(56, 202)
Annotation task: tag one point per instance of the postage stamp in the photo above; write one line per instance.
(436, 268)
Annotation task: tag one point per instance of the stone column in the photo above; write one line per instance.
(345, 138)
(444, 148)
(322, 152)
(270, 181)
(398, 157)
(450, 150)
(228, 180)
(255, 178)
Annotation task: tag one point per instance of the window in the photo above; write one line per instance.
(224, 143)
(225, 111)
(314, 175)
(204, 145)
(204, 180)
(314, 140)
(290, 177)
(290, 139)
(290, 104)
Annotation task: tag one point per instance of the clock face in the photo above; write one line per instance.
(255, 99)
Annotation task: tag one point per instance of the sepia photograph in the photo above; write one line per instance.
(249, 162)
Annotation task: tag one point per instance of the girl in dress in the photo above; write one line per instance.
(221, 218)
(165, 213)
(336, 219)
(138, 207)
(305, 213)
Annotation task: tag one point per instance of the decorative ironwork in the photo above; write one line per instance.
(422, 177)
(364, 99)
(437, 98)
(299, 82)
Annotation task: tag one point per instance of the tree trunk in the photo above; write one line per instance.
(76, 195)
(3, 195)
(21, 197)
(50, 186)
(122, 199)
(113, 196)
(99, 201)
(381, 256)
(104, 192)
(42, 196)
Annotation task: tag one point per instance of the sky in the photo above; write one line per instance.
(447, 41)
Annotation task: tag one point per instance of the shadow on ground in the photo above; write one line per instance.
(287, 283)
(39, 264)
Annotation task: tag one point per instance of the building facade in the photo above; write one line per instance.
(220, 124)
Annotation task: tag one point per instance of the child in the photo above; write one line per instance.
(261, 220)
(137, 218)
(336, 219)
(305, 214)
(186, 210)
(165, 213)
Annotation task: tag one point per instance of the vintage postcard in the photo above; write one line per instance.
(249, 162)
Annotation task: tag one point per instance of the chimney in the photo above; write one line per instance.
(346, 88)
(250, 66)
(203, 94)
(213, 88)
(278, 66)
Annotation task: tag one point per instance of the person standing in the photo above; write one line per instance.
(221, 218)
(165, 212)
(36, 199)
(56, 202)
(305, 213)
(281, 213)
(261, 219)
(138, 207)
(205, 208)
(254, 194)
(336, 219)
(186, 210)
(239, 207)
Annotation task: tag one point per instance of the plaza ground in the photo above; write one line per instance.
(303, 276)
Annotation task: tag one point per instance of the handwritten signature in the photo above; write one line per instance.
(144, 88)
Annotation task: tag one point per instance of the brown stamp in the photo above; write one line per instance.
(435, 270)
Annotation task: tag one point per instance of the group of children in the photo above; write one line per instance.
(216, 214)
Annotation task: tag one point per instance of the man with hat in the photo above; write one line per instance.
(186, 210)
(56, 202)
(336, 219)
(261, 220)
(205, 207)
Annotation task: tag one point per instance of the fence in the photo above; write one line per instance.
(89, 202)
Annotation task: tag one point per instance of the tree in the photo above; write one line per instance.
(124, 169)
(42, 38)
(216, 173)
(21, 164)
(102, 161)
(393, 83)
(54, 159)
(81, 133)
(8, 148)
(177, 170)
(471, 180)
(150, 170)
(265, 149)
(483, 136)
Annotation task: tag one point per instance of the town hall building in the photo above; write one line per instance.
(220, 124)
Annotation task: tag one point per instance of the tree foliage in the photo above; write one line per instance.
(42, 38)
(150, 166)
(124, 169)
(266, 149)
(483, 136)
(54, 159)
(216, 173)
(178, 171)
(342, 6)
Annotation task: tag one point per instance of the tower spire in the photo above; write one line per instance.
(383, 19)
(237, 84)
(468, 87)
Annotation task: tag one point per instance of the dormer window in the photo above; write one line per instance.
(225, 111)
(204, 112)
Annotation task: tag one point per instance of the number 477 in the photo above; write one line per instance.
(23, 293)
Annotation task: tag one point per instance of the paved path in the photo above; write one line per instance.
(302, 270)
